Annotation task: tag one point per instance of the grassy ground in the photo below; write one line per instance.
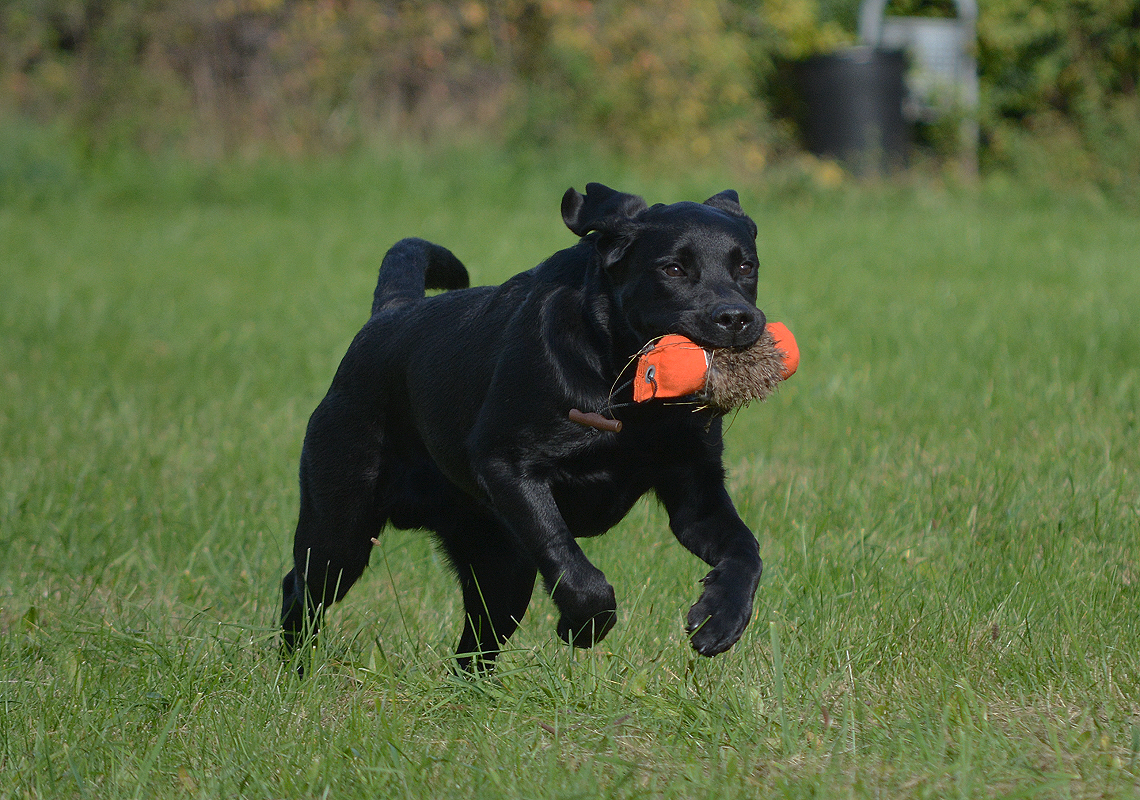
(946, 497)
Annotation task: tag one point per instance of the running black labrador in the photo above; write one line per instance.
(450, 413)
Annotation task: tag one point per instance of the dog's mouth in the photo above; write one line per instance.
(734, 326)
(720, 340)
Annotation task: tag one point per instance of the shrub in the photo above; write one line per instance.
(304, 75)
(1060, 86)
(222, 73)
(657, 75)
(644, 77)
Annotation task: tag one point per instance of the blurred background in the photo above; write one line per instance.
(1054, 99)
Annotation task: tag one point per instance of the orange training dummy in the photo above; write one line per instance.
(725, 379)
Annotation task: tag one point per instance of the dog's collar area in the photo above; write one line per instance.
(670, 367)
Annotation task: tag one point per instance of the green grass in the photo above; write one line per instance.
(946, 497)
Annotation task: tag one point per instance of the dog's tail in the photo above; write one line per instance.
(413, 266)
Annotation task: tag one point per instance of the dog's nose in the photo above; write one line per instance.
(736, 319)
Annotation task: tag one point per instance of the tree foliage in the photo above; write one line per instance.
(1067, 71)
(640, 75)
(1059, 77)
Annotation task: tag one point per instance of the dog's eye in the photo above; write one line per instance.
(674, 270)
(745, 270)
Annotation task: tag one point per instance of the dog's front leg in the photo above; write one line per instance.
(526, 506)
(704, 520)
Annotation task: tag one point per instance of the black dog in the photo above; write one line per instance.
(450, 413)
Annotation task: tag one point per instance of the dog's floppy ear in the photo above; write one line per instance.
(606, 211)
(600, 208)
(729, 202)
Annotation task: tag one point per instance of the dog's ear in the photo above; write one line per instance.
(599, 209)
(729, 202)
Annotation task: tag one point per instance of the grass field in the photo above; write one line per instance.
(947, 498)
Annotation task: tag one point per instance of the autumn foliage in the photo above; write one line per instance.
(656, 78)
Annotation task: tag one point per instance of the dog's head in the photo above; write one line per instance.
(687, 268)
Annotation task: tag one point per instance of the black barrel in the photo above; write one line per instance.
(852, 107)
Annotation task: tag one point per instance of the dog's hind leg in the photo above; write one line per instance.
(497, 579)
(322, 574)
(340, 515)
(307, 591)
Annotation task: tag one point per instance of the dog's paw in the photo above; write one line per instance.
(587, 616)
(718, 619)
(589, 633)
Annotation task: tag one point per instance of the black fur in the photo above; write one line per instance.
(449, 413)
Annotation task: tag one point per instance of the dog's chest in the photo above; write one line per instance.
(592, 506)
(596, 489)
